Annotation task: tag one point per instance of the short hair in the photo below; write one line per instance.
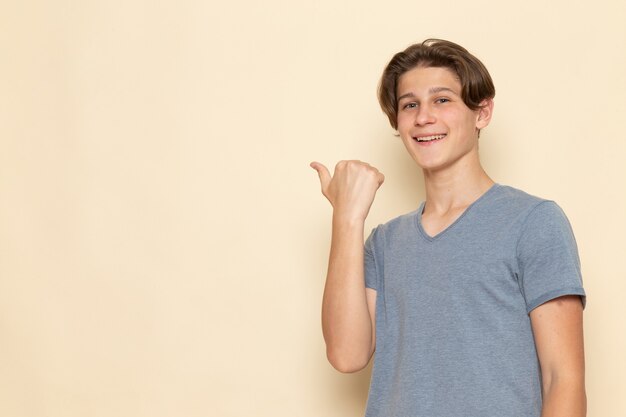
(476, 83)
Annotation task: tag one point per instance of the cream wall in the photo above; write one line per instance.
(162, 238)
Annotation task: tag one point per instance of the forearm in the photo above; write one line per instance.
(565, 398)
(346, 321)
(558, 332)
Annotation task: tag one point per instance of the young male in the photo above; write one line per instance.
(474, 301)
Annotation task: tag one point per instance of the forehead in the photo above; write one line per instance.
(420, 80)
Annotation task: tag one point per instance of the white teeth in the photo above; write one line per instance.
(430, 138)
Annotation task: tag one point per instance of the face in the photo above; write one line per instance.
(436, 126)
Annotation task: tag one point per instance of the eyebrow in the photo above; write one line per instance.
(432, 90)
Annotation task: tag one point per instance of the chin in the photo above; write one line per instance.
(432, 165)
(428, 164)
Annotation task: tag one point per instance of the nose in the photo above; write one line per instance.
(424, 115)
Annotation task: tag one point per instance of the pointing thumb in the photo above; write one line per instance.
(323, 173)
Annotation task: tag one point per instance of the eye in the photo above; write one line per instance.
(442, 100)
(410, 105)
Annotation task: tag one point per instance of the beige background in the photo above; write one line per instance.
(163, 241)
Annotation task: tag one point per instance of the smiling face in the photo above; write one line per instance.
(436, 126)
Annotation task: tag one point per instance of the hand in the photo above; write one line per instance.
(351, 189)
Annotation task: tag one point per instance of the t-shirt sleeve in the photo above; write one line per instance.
(549, 266)
(372, 262)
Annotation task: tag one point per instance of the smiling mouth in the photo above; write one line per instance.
(431, 138)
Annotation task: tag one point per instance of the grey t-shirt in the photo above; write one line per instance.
(453, 333)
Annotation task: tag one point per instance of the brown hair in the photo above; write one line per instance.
(476, 83)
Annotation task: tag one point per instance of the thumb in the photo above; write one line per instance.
(323, 173)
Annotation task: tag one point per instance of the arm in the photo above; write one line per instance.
(558, 331)
(348, 308)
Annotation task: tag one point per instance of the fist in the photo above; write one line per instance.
(352, 187)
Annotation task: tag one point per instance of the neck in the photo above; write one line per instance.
(455, 188)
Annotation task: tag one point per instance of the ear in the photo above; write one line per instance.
(484, 113)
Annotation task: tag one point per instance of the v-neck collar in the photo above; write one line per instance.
(420, 211)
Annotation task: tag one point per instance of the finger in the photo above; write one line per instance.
(323, 173)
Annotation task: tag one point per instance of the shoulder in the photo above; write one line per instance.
(545, 236)
(399, 228)
(518, 207)
(513, 198)
(532, 209)
(400, 223)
